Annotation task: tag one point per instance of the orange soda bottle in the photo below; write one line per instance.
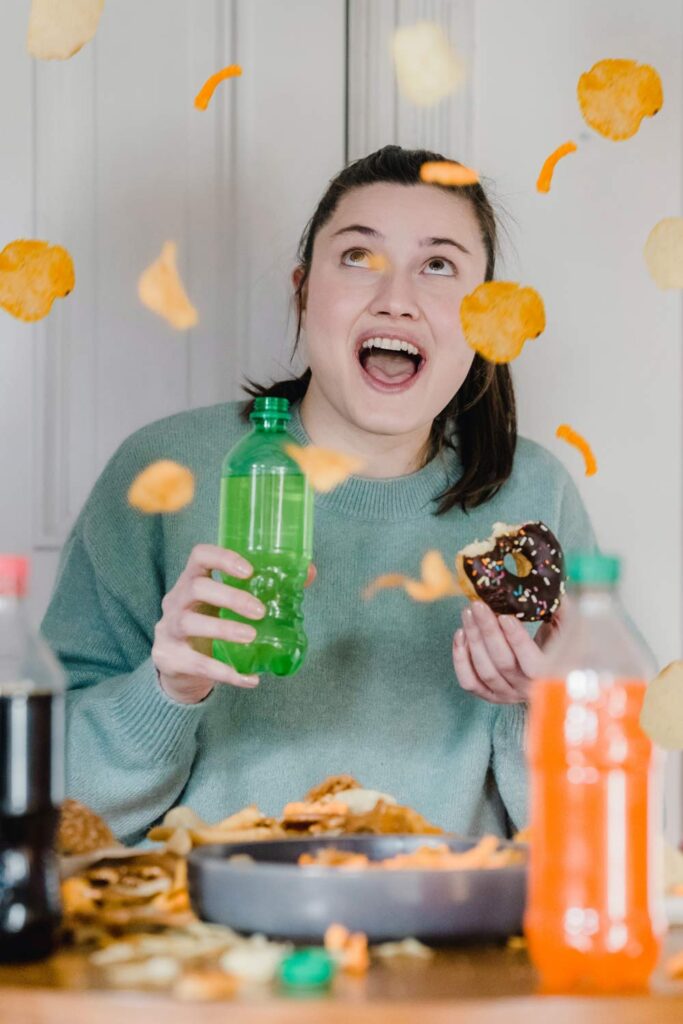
(594, 918)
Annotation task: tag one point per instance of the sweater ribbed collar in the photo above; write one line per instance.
(401, 497)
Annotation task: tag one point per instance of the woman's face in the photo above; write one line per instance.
(389, 271)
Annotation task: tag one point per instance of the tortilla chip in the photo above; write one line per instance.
(427, 69)
(57, 29)
(325, 469)
(545, 178)
(615, 96)
(447, 172)
(437, 581)
(161, 290)
(498, 317)
(662, 713)
(663, 253)
(32, 275)
(203, 97)
(566, 433)
(406, 947)
(165, 486)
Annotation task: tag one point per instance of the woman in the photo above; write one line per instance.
(422, 701)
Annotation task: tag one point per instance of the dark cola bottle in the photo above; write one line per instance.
(31, 776)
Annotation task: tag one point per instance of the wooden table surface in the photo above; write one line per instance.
(476, 985)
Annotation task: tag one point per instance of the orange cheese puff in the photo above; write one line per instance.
(546, 176)
(203, 97)
(566, 433)
(447, 172)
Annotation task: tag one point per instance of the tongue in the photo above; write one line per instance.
(390, 367)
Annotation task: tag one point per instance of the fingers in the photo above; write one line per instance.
(488, 662)
(312, 573)
(530, 657)
(188, 676)
(192, 624)
(467, 677)
(204, 558)
(208, 591)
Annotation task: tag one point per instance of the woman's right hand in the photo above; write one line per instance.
(183, 634)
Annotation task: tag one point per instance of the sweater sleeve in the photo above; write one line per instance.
(129, 747)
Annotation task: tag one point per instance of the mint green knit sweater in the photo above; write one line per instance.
(377, 696)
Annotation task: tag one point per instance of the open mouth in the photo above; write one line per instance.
(390, 362)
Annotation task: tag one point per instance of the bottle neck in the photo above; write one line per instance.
(593, 598)
(270, 424)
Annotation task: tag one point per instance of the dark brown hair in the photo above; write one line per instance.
(480, 421)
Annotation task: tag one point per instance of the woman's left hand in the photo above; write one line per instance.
(494, 656)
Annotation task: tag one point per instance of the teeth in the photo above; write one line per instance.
(391, 345)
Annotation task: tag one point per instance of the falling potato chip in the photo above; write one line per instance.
(498, 317)
(545, 178)
(57, 29)
(615, 96)
(32, 275)
(161, 290)
(664, 253)
(566, 433)
(447, 172)
(325, 469)
(203, 97)
(437, 581)
(164, 486)
(376, 261)
(427, 69)
(662, 714)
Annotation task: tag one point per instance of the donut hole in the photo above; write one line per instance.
(517, 564)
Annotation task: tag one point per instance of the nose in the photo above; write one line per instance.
(395, 296)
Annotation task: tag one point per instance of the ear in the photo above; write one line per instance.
(297, 275)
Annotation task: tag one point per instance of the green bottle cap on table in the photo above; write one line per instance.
(590, 567)
(307, 968)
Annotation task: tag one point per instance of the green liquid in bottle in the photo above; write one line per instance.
(266, 515)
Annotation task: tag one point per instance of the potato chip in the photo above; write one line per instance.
(566, 433)
(32, 275)
(545, 178)
(615, 96)
(203, 97)
(378, 262)
(663, 253)
(406, 947)
(427, 69)
(437, 581)
(447, 172)
(161, 290)
(57, 29)
(206, 985)
(498, 317)
(165, 486)
(325, 469)
(662, 713)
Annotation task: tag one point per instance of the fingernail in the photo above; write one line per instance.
(255, 609)
(460, 638)
(251, 681)
(467, 615)
(243, 569)
(246, 633)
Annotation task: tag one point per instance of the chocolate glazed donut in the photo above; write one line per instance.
(534, 594)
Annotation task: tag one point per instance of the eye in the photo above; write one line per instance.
(441, 267)
(355, 257)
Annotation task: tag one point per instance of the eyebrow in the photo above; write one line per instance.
(362, 229)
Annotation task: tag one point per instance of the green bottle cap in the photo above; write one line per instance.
(307, 968)
(586, 568)
(270, 407)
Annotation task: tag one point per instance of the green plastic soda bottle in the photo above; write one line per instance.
(266, 515)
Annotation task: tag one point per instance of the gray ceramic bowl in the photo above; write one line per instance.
(271, 894)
